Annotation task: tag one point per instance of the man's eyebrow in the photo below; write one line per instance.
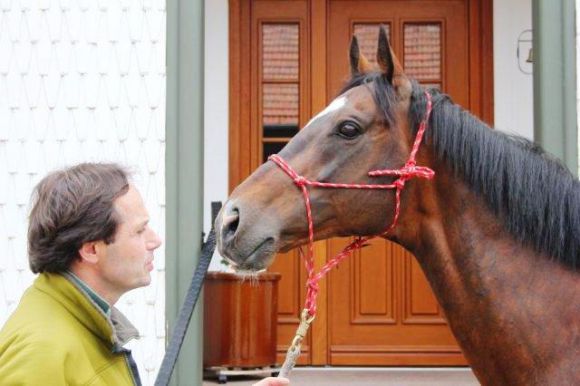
(143, 223)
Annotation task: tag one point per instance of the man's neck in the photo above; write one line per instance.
(95, 284)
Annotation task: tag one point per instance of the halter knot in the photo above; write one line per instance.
(400, 182)
(300, 181)
(313, 286)
(312, 289)
(423, 172)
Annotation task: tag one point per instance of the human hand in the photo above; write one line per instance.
(273, 382)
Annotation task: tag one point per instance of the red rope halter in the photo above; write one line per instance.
(408, 171)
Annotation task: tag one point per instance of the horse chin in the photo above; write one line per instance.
(260, 259)
(288, 242)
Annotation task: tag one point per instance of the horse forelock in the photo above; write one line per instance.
(383, 93)
(532, 192)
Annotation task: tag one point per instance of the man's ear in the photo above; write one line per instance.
(89, 252)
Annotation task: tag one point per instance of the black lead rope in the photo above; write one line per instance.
(180, 329)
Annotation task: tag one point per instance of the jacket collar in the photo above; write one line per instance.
(112, 327)
(102, 303)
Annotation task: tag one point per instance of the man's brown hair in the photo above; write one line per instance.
(71, 207)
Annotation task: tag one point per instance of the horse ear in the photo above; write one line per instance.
(386, 59)
(358, 63)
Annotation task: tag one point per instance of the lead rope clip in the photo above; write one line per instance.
(294, 350)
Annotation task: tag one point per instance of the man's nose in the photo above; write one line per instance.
(155, 241)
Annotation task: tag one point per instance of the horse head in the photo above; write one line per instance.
(365, 128)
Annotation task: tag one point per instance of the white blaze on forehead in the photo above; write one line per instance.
(333, 106)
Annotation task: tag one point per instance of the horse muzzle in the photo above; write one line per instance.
(246, 241)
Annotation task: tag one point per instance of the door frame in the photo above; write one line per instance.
(480, 21)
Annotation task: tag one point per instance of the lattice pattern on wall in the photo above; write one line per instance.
(82, 81)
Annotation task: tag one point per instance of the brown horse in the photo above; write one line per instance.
(497, 231)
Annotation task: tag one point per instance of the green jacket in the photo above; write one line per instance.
(58, 336)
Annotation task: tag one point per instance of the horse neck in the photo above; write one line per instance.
(514, 312)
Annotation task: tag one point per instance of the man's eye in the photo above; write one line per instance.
(349, 130)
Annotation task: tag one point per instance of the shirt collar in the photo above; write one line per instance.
(102, 303)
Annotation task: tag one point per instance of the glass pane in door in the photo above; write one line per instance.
(422, 51)
(280, 52)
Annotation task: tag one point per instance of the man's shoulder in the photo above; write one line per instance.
(47, 346)
(38, 306)
(42, 331)
(39, 317)
(24, 357)
(31, 337)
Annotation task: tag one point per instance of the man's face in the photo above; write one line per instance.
(128, 261)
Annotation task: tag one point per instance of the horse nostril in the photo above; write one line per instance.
(231, 220)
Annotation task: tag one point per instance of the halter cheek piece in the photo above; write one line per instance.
(408, 171)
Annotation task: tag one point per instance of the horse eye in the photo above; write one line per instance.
(348, 130)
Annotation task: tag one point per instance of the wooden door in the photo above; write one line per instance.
(383, 310)
(287, 61)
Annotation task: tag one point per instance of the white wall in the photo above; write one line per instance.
(83, 81)
(513, 90)
(216, 110)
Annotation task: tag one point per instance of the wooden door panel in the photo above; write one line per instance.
(372, 289)
(291, 265)
(421, 306)
(389, 332)
(292, 286)
(382, 309)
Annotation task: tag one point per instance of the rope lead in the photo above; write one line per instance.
(294, 350)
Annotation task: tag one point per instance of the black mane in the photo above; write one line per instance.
(534, 194)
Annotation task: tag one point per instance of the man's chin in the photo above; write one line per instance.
(145, 281)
